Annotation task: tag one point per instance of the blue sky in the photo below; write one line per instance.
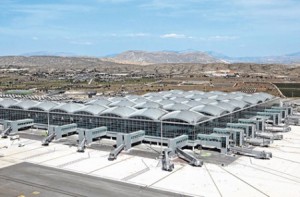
(103, 27)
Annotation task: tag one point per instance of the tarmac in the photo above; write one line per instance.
(26, 179)
(61, 168)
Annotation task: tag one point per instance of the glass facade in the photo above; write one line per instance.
(170, 128)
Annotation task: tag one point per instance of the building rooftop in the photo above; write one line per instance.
(211, 104)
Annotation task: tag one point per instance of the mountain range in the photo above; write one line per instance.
(187, 56)
(144, 57)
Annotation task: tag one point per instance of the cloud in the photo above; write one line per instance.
(173, 35)
(35, 38)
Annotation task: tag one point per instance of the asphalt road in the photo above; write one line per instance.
(26, 179)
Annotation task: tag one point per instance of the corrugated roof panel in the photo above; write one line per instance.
(151, 113)
(190, 117)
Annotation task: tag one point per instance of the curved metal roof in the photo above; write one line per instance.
(238, 103)
(148, 104)
(174, 95)
(44, 105)
(192, 103)
(210, 110)
(155, 98)
(239, 93)
(164, 94)
(233, 96)
(191, 117)
(140, 100)
(196, 92)
(250, 99)
(91, 109)
(6, 102)
(165, 102)
(99, 101)
(115, 99)
(217, 93)
(153, 105)
(68, 107)
(132, 97)
(227, 106)
(208, 94)
(122, 103)
(123, 112)
(176, 107)
(222, 97)
(179, 99)
(151, 113)
(263, 95)
(196, 96)
(177, 91)
(207, 101)
(25, 104)
(149, 94)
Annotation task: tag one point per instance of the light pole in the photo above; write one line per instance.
(48, 122)
(161, 136)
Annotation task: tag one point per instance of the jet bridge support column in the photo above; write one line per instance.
(125, 141)
(86, 136)
(175, 146)
(166, 162)
(56, 132)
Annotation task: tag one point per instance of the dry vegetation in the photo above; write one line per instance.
(74, 73)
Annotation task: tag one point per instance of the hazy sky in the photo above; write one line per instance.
(103, 27)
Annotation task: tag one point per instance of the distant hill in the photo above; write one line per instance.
(51, 61)
(161, 57)
(293, 58)
(44, 58)
(47, 53)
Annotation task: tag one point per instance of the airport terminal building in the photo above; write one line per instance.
(202, 116)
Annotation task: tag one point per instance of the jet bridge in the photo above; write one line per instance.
(175, 145)
(278, 128)
(251, 153)
(281, 113)
(276, 116)
(12, 127)
(57, 132)
(263, 142)
(125, 141)
(178, 142)
(86, 136)
(46, 141)
(63, 130)
(259, 124)
(249, 129)
(236, 136)
(295, 120)
(288, 110)
(189, 158)
(219, 141)
(268, 135)
(262, 118)
(166, 162)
